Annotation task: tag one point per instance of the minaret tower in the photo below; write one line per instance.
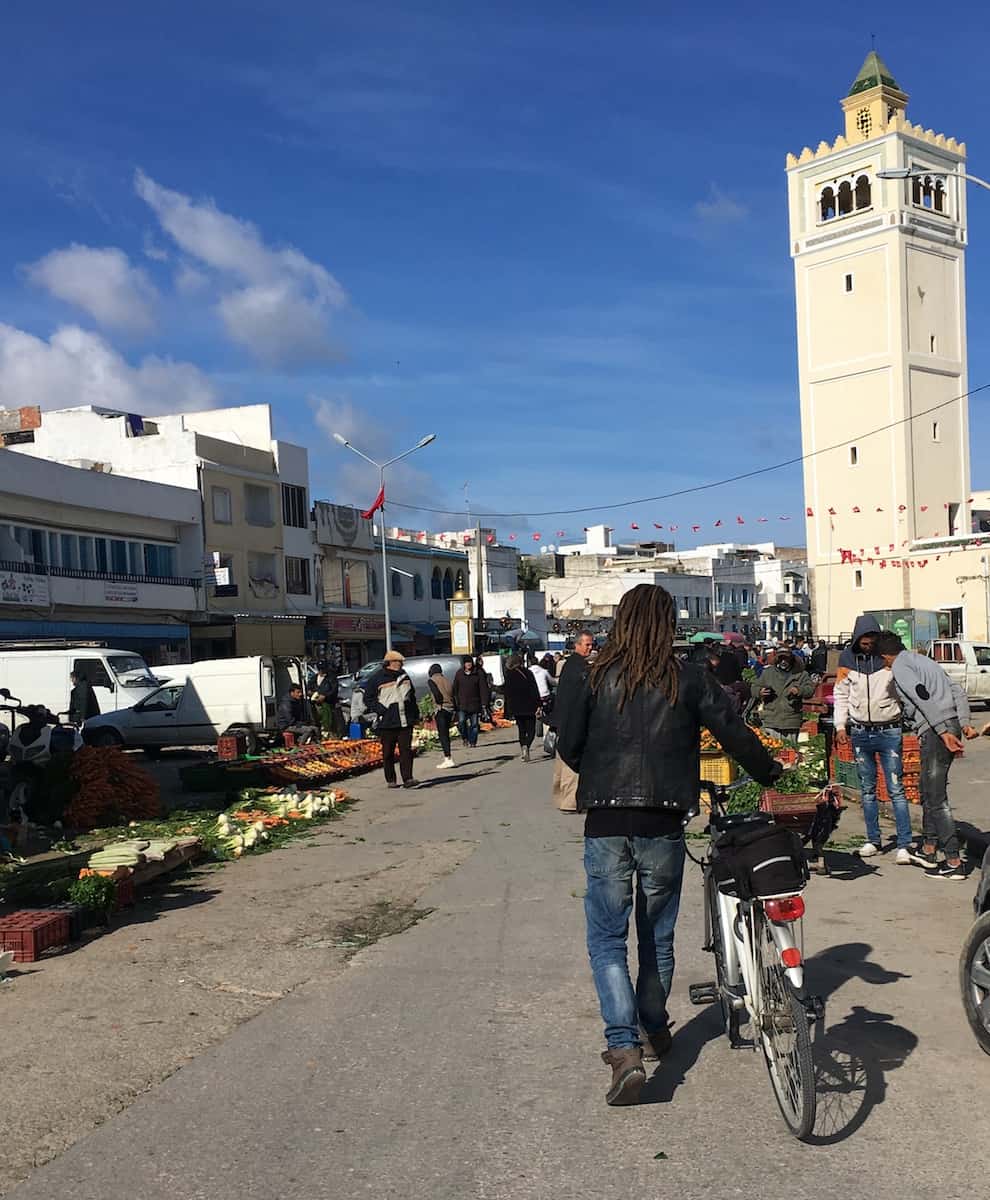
(881, 336)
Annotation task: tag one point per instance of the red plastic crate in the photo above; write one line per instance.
(231, 746)
(30, 934)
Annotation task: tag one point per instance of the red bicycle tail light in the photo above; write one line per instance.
(790, 908)
(791, 957)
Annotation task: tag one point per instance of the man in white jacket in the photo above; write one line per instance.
(868, 712)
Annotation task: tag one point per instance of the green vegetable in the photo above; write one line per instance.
(95, 892)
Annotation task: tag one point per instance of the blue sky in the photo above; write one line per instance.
(554, 234)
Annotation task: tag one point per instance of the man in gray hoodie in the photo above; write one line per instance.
(939, 710)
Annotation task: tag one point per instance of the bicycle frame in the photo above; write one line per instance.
(739, 924)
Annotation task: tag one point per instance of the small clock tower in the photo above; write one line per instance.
(879, 278)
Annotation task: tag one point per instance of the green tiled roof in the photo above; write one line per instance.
(873, 73)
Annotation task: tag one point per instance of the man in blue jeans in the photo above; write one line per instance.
(631, 728)
(868, 713)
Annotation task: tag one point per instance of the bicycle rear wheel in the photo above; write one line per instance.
(785, 1035)
(730, 1016)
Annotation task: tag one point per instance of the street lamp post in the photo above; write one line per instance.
(921, 172)
(430, 437)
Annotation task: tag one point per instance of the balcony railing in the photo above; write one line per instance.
(22, 568)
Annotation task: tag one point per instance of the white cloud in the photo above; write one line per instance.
(188, 280)
(720, 208)
(277, 301)
(152, 250)
(100, 281)
(78, 367)
(355, 481)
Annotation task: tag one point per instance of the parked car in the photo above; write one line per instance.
(974, 963)
(208, 699)
(968, 663)
(416, 668)
(119, 678)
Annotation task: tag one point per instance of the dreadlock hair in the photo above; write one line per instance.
(641, 643)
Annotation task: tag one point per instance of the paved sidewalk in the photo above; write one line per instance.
(459, 1061)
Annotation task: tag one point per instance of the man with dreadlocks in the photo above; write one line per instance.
(631, 728)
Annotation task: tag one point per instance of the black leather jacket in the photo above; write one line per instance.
(647, 754)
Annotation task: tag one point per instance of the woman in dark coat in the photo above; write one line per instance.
(522, 701)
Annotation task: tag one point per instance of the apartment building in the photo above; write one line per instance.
(256, 563)
(88, 556)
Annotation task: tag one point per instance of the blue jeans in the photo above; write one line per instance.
(467, 723)
(885, 744)
(610, 863)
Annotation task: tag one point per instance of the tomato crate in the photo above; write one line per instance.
(231, 746)
(75, 913)
(30, 933)
(796, 810)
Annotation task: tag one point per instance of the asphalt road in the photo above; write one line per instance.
(460, 1059)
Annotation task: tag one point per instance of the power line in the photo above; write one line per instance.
(701, 487)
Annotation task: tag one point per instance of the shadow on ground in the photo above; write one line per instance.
(852, 1056)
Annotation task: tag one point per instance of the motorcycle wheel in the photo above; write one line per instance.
(974, 980)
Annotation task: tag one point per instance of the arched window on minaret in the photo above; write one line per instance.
(828, 204)
(927, 193)
(863, 192)
(939, 196)
(916, 190)
(845, 198)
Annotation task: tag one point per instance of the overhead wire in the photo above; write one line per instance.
(701, 487)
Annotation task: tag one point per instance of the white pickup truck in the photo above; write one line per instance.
(968, 663)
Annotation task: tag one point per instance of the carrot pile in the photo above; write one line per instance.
(109, 789)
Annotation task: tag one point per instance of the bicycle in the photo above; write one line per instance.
(755, 941)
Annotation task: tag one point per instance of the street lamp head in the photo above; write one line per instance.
(341, 439)
(895, 173)
(430, 437)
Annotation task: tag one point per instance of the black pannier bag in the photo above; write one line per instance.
(758, 862)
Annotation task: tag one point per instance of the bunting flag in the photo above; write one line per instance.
(561, 533)
(633, 525)
(763, 520)
(467, 539)
(674, 528)
(718, 523)
(421, 536)
(378, 504)
(809, 512)
(855, 508)
(786, 518)
(695, 528)
(740, 521)
(537, 536)
(656, 526)
(490, 538)
(512, 537)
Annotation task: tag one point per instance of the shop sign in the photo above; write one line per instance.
(120, 593)
(372, 626)
(18, 587)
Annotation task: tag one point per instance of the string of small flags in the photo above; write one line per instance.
(722, 523)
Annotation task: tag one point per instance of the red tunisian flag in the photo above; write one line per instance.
(379, 503)
(633, 525)
(537, 536)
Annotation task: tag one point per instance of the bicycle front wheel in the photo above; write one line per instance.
(785, 1035)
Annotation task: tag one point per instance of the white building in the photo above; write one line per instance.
(257, 552)
(879, 269)
(88, 556)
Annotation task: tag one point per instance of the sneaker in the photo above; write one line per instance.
(411, 783)
(945, 870)
(525, 754)
(392, 785)
(445, 764)
(917, 855)
(656, 1045)
(628, 1075)
(867, 850)
(902, 858)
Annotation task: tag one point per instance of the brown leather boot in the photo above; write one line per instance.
(628, 1075)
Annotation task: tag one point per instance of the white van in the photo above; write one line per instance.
(208, 699)
(119, 678)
